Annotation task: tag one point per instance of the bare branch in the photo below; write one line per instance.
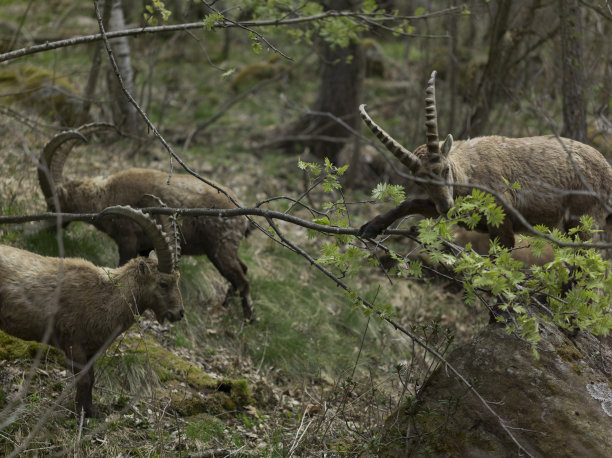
(373, 18)
(254, 211)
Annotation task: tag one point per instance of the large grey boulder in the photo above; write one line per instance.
(559, 405)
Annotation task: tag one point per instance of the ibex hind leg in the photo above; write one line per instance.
(233, 270)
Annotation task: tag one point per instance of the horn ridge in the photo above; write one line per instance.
(405, 156)
(53, 157)
(161, 243)
(168, 223)
(431, 118)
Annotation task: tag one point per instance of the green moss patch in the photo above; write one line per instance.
(12, 348)
(191, 390)
(50, 94)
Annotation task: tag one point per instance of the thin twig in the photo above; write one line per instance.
(403, 330)
(376, 17)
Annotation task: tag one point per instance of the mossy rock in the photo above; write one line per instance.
(49, 94)
(12, 348)
(258, 71)
(192, 391)
(544, 402)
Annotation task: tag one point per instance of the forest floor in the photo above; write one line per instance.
(313, 376)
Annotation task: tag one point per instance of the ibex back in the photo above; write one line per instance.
(561, 179)
(217, 238)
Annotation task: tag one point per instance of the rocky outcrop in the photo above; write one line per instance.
(558, 405)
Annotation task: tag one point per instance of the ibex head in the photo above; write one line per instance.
(158, 275)
(429, 161)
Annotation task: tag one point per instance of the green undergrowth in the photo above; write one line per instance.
(305, 326)
(140, 364)
(79, 240)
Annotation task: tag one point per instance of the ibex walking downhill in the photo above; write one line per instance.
(561, 179)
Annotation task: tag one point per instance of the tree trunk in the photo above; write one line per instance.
(338, 100)
(491, 80)
(125, 115)
(96, 63)
(574, 106)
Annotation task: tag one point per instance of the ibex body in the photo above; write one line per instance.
(218, 238)
(79, 307)
(561, 179)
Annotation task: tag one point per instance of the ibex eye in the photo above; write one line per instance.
(163, 284)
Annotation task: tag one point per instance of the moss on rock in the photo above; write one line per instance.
(192, 390)
(48, 93)
(12, 348)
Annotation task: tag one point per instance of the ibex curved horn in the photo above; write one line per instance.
(161, 244)
(431, 120)
(52, 158)
(95, 127)
(406, 157)
(168, 223)
(56, 151)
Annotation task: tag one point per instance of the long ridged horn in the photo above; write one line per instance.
(406, 157)
(94, 127)
(168, 223)
(52, 158)
(161, 244)
(431, 120)
(56, 151)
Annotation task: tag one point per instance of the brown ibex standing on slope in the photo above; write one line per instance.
(217, 238)
(561, 179)
(80, 308)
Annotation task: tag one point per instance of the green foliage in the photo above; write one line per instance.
(575, 286)
(209, 20)
(384, 190)
(574, 290)
(157, 10)
(335, 30)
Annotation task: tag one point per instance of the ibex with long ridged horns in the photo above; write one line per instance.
(217, 238)
(561, 179)
(81, 308)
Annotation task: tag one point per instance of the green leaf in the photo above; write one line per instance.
(209, 20)
(369, 6)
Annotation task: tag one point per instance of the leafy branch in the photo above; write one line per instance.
(373, 18)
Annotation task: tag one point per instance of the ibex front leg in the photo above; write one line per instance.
(408, 207)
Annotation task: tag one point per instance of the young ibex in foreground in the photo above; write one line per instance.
(218, 238)
(558, 176)
(80, 308)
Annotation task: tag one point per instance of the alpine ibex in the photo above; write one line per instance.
(218, 238)
(558, 176)
(80, 308)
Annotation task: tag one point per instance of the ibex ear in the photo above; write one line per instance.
(152, 255)
(143, 267)
(447, 145)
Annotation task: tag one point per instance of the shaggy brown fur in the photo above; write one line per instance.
(217, 238)
(80, 308)
(555, 175)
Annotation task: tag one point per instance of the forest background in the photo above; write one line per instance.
(262, 96)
